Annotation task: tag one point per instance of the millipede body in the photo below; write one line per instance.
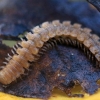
(43, 38)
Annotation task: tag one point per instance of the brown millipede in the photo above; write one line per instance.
(50, 33)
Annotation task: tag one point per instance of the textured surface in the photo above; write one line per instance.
(61, 67)
(83, 83)
(66, 61)
(53, 33)
(57, 94)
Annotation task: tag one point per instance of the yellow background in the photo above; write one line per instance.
(56, 95)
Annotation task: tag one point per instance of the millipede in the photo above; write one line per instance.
(43, 38)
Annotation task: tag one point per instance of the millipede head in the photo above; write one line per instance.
(3, 79)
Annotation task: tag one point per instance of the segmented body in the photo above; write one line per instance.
(45, 37)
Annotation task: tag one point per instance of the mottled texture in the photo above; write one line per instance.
(59, 68)
(29, 50)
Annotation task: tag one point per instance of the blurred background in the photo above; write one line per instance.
(18, 16)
